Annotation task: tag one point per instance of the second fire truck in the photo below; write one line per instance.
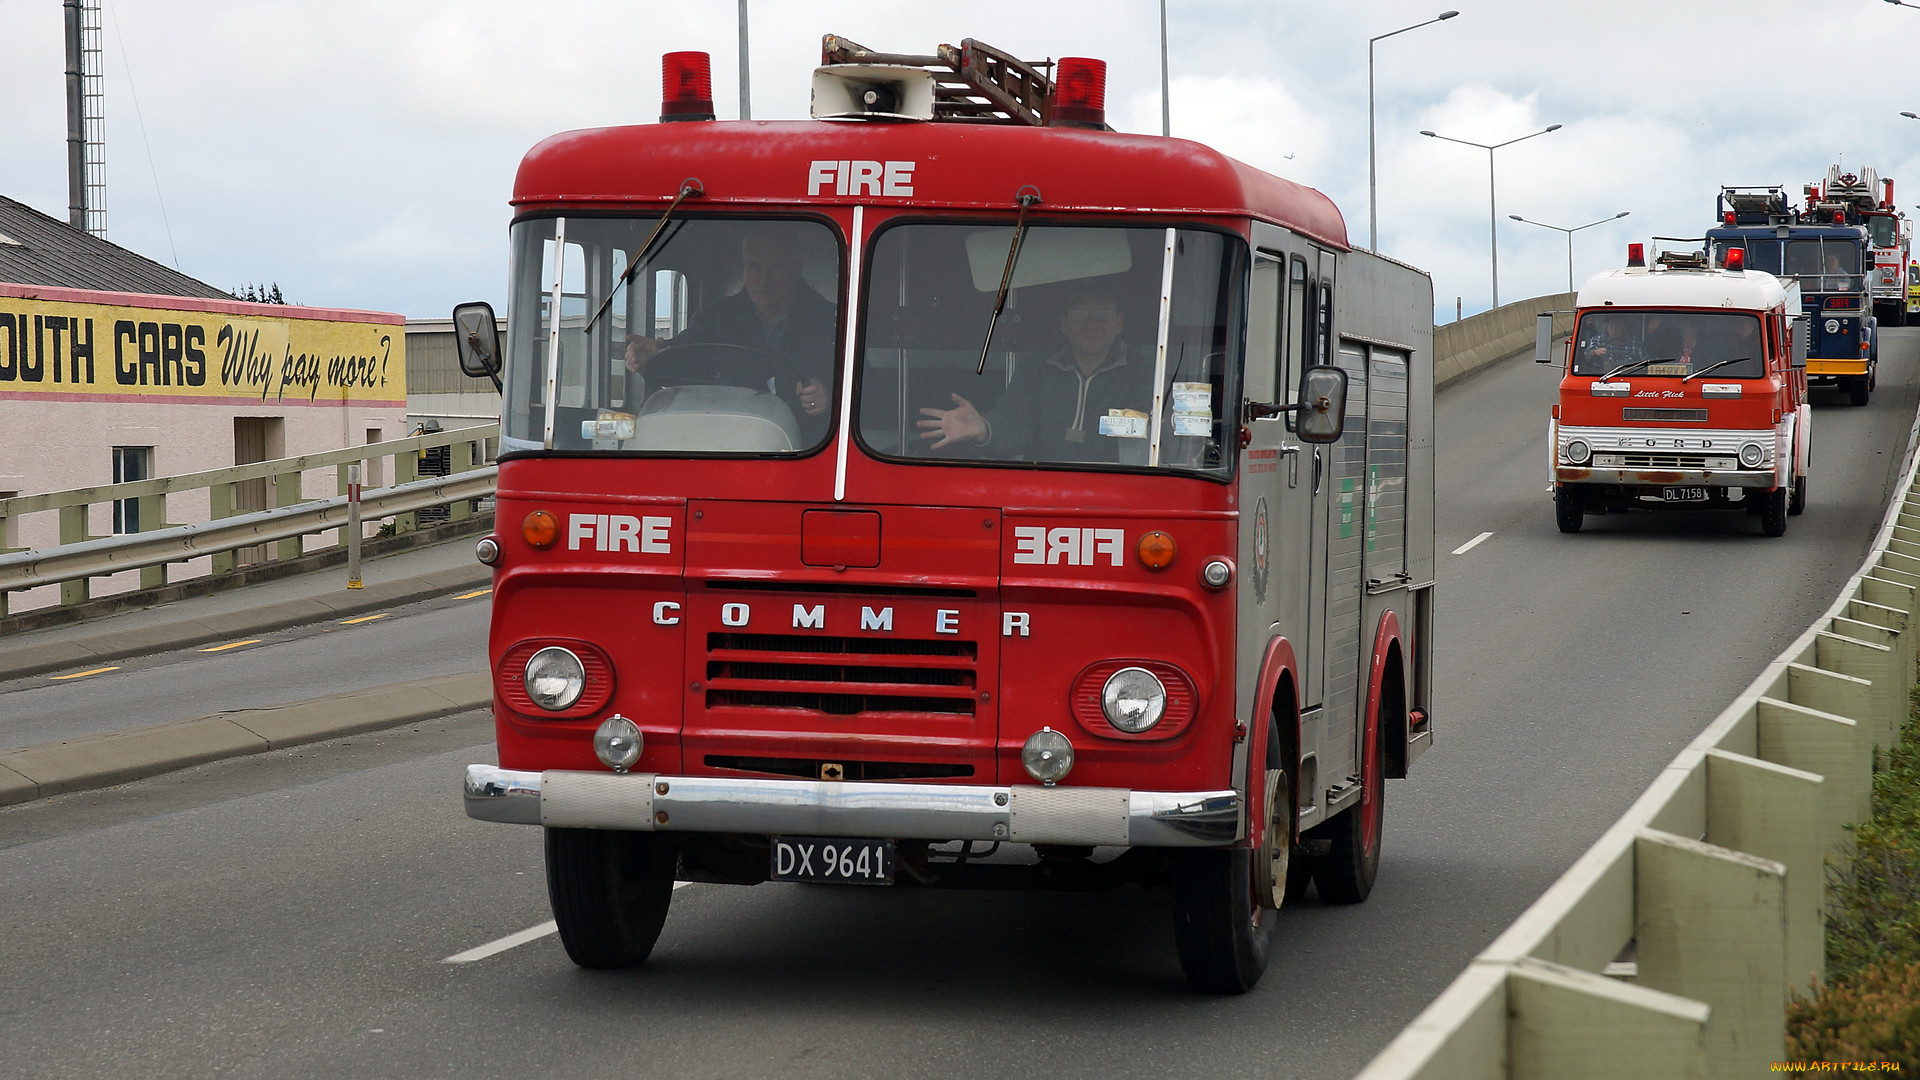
(1684, 388)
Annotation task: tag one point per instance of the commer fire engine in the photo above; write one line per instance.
(949, 490)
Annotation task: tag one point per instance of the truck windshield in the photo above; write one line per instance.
(1072, 376)
(1760, 254)
(1825, 265)
(720, 340)
(1882, 230)
(1673, 343)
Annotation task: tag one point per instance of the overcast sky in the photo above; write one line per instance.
(360, 153)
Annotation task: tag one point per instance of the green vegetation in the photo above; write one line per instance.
(1869, 1009)
(260, 294)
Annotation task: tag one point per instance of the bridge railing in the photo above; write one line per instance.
(80, 556)
(1672, 946)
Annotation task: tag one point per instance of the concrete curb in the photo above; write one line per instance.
(119, 644)
(38, 772)
(1479, 341)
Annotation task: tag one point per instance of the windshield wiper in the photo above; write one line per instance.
(1627, 367)
(1711, 367)
(688, 188)
(1027, 197)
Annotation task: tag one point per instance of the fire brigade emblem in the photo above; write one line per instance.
(1260, 551)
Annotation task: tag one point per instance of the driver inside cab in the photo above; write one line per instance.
(776, 313)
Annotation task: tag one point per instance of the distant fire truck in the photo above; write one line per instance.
(949, 490)
(1870, 196)
(1685, 387)
(1823, 250)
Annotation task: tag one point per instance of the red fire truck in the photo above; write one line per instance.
(948, 490)
(1685, 387)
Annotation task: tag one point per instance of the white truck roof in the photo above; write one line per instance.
(1639, 286)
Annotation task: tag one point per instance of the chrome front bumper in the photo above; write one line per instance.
(1724, 478)
(1026, 815)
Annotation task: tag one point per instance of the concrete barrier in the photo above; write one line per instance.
(1671, 947)
(1464, 347)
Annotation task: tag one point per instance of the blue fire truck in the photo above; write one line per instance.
(1824, 248)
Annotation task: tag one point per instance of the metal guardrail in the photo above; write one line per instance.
(1672, 946)
(80, 556)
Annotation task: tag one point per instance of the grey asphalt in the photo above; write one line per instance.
(286, 915)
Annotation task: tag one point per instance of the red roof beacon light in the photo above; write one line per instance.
(1636, 254)
(1736, 258)
(1839, 217)
(1080, 93)
(1728, 216)
(686, 87)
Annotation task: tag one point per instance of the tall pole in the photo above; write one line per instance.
(76, 122)
(1493, 228)
(1166, 104)
(1569, 232)
(1373, 212)
(1493, 210)
(746, 102)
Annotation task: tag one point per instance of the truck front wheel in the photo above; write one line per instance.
(1773, 512)
(1226, 902)
(609, 892)
(1857, 390)
(1568, 508)
(1797, 502)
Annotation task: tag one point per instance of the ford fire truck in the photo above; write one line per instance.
(1823, 250)
(950, 491)
(1685, 387)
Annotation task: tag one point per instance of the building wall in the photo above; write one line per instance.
(197, 381)
(437, 389)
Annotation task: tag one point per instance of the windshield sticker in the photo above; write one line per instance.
(1124, 424)
(1192, 408)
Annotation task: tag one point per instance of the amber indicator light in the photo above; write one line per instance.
(1156, 550)
(540, 530)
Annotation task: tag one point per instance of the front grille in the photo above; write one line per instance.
(1663, 461)
(841, 676)
(1663, 414)
(808, 769)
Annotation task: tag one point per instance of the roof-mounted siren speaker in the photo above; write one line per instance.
(1080, 93)
(686, 87)
(1636, 254)
(872, 92)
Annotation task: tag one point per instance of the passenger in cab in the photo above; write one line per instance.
(1088, 402)
(775, 312)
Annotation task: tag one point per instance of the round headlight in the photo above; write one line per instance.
(1578, 452)
(487, 550)
(617, 743)
(555, 678)
(1133, 700)
(1751, 455)
(1833, 326)
(1048, 756)
(1216, 574)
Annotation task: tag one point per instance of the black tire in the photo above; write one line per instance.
(1346, 873)
(1857, 390)
(1568, 508)
(1797, 502)
(1223, 930)
(1773, 512)
(609, 892)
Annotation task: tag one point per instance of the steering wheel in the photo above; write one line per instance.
(712, 363)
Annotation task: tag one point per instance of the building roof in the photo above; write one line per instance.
(1637, 286)
(39, 250)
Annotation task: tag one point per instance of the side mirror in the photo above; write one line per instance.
(1797, 330)
(1543, 338)
(1323, 404)
(476, 336)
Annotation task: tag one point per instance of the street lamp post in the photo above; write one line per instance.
(1570, 232)
(1902, 3)
(1493, 209)
(1373, 214)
